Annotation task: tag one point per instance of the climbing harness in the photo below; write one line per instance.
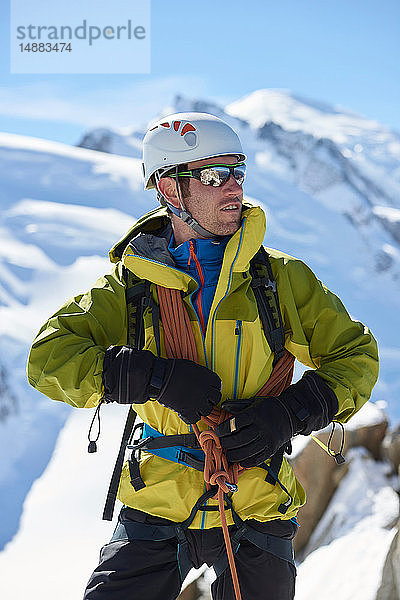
(127, 529)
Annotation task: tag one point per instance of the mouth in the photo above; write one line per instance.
(232, 206)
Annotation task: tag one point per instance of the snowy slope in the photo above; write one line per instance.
(347, 550)
(366, 145)
(61, 208)
(61, 530)
(60, 213)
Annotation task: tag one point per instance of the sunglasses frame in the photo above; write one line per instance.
(196, 173)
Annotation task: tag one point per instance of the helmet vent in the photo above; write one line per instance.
(187, 127)
(191, 139)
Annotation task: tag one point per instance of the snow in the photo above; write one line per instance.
(61, 527)
(386, 212)
(347, 550)
(364, 499)
(54, 172)
(349, 568)
(59, 226)
(372, 413)
(32, 144)
(372, 150)
(123, 144)
(299, 443)
(296, 113)
(59, 215)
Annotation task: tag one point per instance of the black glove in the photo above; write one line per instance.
(257, 432)
(135, 376)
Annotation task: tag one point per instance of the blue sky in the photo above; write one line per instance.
(343, 52)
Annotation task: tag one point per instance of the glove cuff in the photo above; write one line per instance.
(312, 402)
(127, 373)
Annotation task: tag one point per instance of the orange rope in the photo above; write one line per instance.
(178, 335)
(180, 343)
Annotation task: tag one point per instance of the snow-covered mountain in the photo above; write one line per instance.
(104, 140)
(329, 181)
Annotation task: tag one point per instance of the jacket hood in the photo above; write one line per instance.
(152, 222)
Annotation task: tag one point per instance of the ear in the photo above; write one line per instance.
(167, 187)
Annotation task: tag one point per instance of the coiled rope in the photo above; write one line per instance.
(180, 343)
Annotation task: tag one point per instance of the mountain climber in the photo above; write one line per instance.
(205, 358)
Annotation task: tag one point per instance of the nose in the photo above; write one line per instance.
(232, 186)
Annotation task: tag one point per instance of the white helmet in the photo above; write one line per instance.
(184, 137)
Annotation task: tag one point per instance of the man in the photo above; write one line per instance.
(200, 248)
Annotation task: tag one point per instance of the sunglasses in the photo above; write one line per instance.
(216, 175)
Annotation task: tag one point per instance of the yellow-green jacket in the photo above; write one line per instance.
(66, 358)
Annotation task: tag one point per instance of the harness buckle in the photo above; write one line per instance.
(187, 218)
(271, 285)
(145, 301)
(139, 444)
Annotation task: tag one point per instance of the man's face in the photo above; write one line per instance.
(217, 209)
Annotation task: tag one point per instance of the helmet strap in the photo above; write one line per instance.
(184, 214)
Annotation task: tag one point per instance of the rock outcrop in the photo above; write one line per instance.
(8, 400)
(369, 437)
(320, 474)
(391, 449)
(390, 584)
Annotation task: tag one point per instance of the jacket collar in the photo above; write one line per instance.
(146, 248)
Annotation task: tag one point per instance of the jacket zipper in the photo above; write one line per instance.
(200, 317)
(238, 333)
(212, 317)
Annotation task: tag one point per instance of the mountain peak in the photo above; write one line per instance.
(296, 113)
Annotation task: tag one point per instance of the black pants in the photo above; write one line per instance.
(149, 570)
